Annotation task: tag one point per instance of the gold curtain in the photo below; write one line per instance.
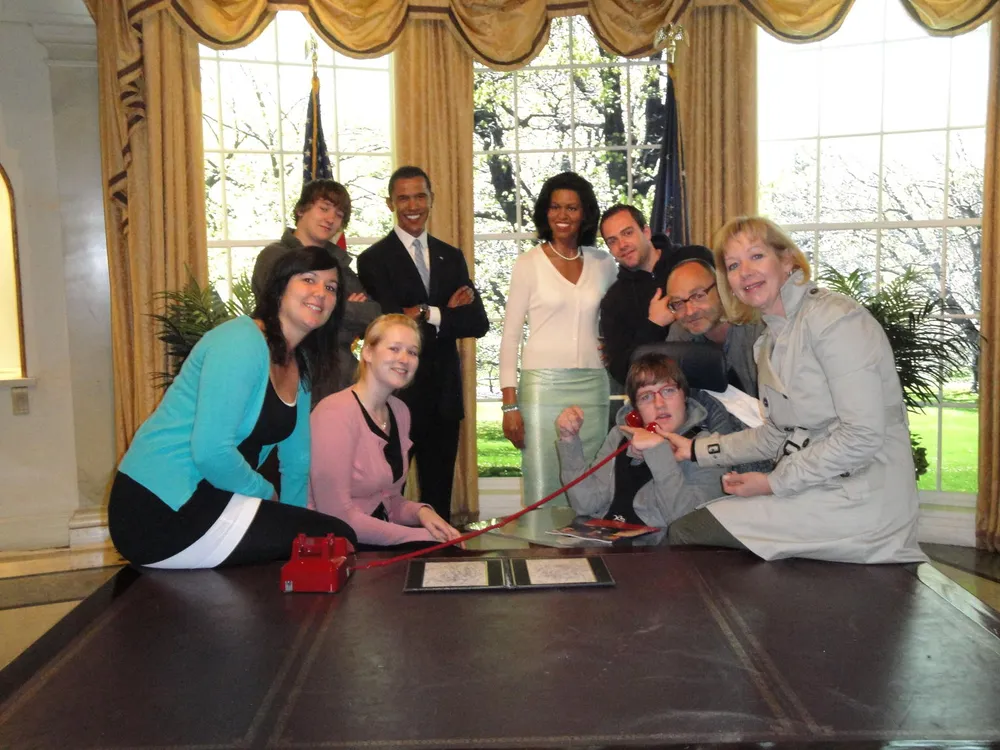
(988, 505)
(433, 106)
(152, 163)
(808, 21)
(502, 34)
(717, 107)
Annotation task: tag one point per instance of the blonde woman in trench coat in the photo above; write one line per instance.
(843, 487)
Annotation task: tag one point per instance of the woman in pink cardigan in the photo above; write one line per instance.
(361, 444)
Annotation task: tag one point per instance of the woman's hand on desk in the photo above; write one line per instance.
(750, 484)
(437, 526)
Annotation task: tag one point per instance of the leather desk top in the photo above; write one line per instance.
(690, 646)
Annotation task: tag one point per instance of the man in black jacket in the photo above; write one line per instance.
(413, 273)
(634, 310)
(321, 214)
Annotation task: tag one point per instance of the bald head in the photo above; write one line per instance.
(695, 300)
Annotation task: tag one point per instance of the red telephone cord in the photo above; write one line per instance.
(498, 524)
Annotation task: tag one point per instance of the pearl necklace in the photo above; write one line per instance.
(553, 249)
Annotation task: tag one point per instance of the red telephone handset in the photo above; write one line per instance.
(634, 419)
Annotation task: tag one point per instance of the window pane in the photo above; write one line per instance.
(959, 450)
(848, 190)
(916, 249)
(493, 115)
(797, 69)
(645, 163)
(965, 257)
(295, 88)
(646, 110)
(966, 173)
(210, 104)
(787, 181)
(607, 172)
(363, 111)
(253, 196)
(851, 89)
(970, 68)
(913, 176)
(916, 84)
(599, 107)
(847, 251)
(495, 194)
(367, 180)
(864, 23)
(544, 109)
(249, 104)
(924, 427)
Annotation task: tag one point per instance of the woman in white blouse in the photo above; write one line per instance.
(557, 287)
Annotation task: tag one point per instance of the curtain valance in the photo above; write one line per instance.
(810, 21)
(498, 33)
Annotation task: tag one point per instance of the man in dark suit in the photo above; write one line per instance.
(413, 273)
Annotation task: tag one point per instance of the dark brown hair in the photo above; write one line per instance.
(330, 190)
(650, 368)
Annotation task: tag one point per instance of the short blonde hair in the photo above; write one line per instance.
(377, 330)
(763, 230)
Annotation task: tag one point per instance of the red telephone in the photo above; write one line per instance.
(634, 419)
(317, 564)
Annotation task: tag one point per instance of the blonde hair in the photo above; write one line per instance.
(377, 330)
(762, 230)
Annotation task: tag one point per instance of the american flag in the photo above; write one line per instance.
(670, 197)
(315, 160)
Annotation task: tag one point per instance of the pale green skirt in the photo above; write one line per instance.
(542, 395)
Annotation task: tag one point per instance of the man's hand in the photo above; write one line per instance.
(513, 428)
(746, 485)
(412, 312)
(462, 296)
(569, 422)
(357, 297)
(659, 313)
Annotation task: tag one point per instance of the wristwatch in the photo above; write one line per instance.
(425, 312)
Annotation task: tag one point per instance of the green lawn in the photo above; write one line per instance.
(959, 472)
(497, 457)
(960, 449)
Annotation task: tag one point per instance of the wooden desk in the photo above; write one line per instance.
(691, 646)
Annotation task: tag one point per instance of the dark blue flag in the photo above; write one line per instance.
(670, 197)
(315, 160)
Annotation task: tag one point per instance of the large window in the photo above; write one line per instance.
(254, 102)
(575, 107)
(872, 155)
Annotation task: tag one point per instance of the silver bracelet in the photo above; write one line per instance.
(505, 408)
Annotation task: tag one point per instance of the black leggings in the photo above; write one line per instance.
(146, 530)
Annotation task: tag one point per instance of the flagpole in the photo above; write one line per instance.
(313, 47)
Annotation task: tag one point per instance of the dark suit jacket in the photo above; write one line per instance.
(390, 278)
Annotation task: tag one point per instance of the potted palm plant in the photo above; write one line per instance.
(189, 313)
(929, 347)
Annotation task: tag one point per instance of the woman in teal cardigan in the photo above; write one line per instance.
(188, 493)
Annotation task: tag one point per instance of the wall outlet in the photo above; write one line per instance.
(19, 400)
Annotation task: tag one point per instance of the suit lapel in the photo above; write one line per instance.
(437, 259)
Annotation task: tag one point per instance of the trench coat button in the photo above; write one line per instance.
(765, 402)
(813, 291)
(789, 429)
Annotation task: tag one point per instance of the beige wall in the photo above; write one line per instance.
(55, 462)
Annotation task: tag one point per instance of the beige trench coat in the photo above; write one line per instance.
(844, 486)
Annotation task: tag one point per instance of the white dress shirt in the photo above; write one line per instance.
(562, 317)
(433, 313)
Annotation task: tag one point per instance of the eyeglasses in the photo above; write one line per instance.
(666, 392)
(675, 306)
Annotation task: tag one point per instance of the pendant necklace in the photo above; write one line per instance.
(572, 257)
